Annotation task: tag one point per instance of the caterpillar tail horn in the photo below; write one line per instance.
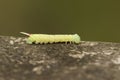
(25, 33)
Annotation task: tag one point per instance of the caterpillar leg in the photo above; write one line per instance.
(66, 42)
(70, 42)
(37, 42)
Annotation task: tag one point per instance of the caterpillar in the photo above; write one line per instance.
(47, 38)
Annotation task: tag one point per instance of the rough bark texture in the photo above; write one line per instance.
(85, 61)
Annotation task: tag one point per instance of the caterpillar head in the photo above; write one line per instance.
(76, 38)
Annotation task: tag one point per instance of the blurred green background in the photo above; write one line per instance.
(93, 20)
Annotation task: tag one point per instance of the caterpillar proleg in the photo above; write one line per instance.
(46, 38)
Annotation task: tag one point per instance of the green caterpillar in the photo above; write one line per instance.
(45, 38)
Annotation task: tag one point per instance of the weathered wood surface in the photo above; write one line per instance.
(86, 61)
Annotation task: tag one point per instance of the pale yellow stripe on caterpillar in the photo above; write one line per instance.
(63, 38)
(45, 38)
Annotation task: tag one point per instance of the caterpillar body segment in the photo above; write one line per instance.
(45, 38)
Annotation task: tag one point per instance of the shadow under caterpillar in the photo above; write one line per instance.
(48, 38)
